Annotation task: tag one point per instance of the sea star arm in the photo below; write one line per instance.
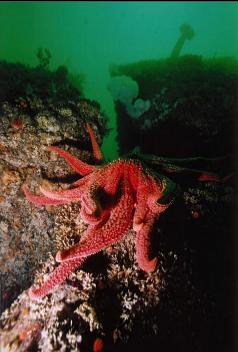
(58, 276)
(93, 219)
(103, 188)
(72, 194)
(207, 177)
(143, 190)
(97, 153)
(112, 231)
(90, 199)
(112, 178)
(41, 200)
(143, 245)
(149, 192)
(76, 164)
(163, 194)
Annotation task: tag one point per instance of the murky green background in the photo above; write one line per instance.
(90, 36)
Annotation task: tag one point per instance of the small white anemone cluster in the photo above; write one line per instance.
(125, 89)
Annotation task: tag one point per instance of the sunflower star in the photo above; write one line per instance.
(114, 197)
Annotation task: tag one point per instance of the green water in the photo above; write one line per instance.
(88, 37)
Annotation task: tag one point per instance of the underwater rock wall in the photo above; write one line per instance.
(29, 123)
(108, 304)
(192, 106)
(109, 298)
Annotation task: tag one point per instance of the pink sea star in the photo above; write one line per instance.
(114, 197)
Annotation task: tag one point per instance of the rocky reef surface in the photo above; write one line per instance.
(108, 304)
(29, 123)
(109, 299)
(192, 110)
